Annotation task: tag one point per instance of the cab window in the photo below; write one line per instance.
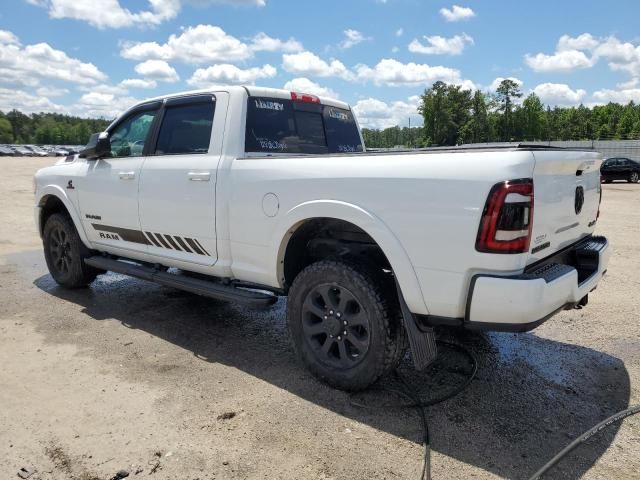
(186, 129)
(128, 137)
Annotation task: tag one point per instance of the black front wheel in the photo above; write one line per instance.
(343, 326)
(64, 253)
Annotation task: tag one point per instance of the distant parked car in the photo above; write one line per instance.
(22, 151)
(620, 169)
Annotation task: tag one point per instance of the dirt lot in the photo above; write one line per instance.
(129, 375)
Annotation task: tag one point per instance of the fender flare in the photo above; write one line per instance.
(60, 194)
(369, 223)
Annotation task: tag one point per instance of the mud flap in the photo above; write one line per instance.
(422, 340)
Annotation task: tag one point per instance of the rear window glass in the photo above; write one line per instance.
(186, 129)
(276, 125)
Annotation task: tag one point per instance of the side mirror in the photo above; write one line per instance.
(99, 146)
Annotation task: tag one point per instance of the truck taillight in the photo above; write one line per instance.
(507, 219)
(304, 97)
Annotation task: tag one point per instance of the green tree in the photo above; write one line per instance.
(6, 131)
(445, 109)
(507, 91)
(532, 118)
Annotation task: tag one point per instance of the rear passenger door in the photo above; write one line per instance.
(178, 180)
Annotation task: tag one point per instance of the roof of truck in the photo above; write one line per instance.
(252, 90)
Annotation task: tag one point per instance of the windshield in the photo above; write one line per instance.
(276, 125)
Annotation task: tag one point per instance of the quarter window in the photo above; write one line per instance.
(186, 129)
(127, 139)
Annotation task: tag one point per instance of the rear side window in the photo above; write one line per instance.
(186, 129)
(276, 125)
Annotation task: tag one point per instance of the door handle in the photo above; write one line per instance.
(199, 176)
(127, 175)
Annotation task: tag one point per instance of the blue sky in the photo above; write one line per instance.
(72, 57)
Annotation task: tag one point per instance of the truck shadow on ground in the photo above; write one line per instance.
(531, 396)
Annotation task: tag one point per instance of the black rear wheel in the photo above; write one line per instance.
(634, 177)
(64, 253)
(343, 326)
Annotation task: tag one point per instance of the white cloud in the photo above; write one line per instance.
(496, 83)
(586, 41)
(27, 65)
(394, 73)
(309, 64)
(399, 32)
(375, 113)
(441, 45)
(105, 88)
(111, 14)
(304, 85)
(584, 51)
(25, 102)
(51, 91)
(8, 38)
(199, 44)
(623, 96)
(352, 38)
(157, 70)
(559, 94)
(138, 83)
(263, 42)
(206, 44)
(102, 105)
(229, 74)
(457, 13)
(562, 61)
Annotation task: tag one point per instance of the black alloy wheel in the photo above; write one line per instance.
(345, 323)
(336, 325)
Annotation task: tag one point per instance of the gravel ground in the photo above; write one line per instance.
(129, 375)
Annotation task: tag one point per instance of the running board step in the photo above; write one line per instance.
(198, 286)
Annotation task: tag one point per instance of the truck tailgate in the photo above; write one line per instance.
(566, 199)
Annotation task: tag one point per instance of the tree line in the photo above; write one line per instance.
(47, 128)
(453, 115)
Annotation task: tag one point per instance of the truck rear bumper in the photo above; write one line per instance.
(522, 302)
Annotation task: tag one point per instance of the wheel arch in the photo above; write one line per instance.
(371, 225)
(52, 200)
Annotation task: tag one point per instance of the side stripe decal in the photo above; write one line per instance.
(159, 240)
(128, 235)
(195, 247)
(162, 241)
(201, 247)
(172, 243)
(182, 244)
(153, 239)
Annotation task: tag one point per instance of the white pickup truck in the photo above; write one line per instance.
(247, 194)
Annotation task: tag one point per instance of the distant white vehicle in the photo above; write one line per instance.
(265, 190)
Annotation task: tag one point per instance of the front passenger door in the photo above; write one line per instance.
(108, 192)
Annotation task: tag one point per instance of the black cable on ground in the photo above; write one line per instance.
(414, 401)
(584, 437)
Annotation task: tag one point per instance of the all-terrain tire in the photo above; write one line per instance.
(64, 253)
(377, 305)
